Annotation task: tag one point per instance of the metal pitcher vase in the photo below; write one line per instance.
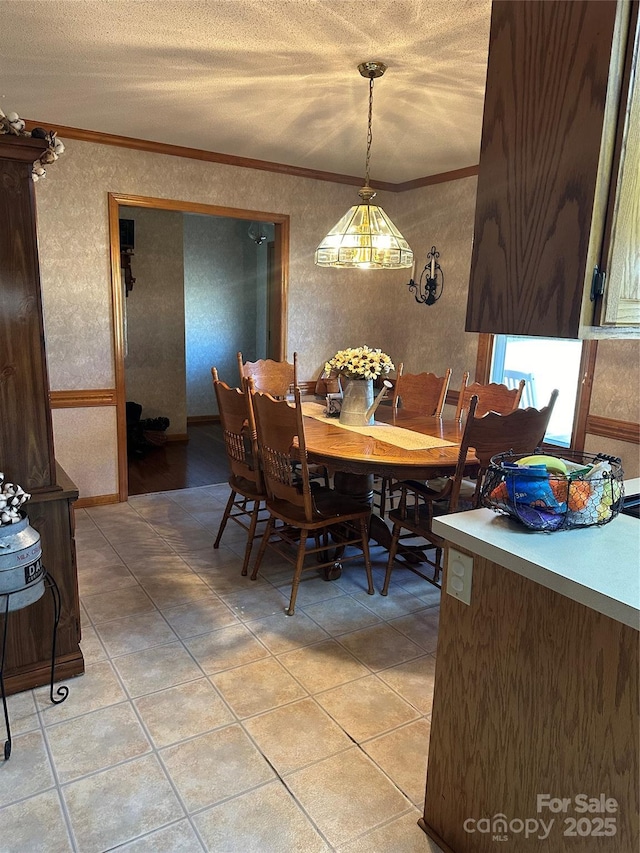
(357, 402)
(21, 569)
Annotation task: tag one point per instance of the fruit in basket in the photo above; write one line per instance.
(559, 487)
(553, 463)
(575, 493)
(579, 495)
(610, 492)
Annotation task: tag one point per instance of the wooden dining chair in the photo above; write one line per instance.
(491, 398)
(248, 494)
(277, 378)
(299, 509)
(423, 393)
(521, 431)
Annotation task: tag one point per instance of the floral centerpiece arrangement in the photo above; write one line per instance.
(360, 363)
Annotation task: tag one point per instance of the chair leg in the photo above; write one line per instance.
(263, 547)
(322, 541)
(395, 536)
(383, 496)
(364, 530)
(302, 547)
(225, 518)
(250, 536)
(438, 568)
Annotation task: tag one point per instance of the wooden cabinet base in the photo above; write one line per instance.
(534, 695)
(434, 836)
(67, 666)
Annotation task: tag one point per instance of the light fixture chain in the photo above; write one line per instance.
(369, 132)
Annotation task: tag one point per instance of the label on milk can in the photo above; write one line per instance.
(33, 572)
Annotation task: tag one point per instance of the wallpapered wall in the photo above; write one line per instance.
(220, 304)
(193, 305)
(155, 360)
(327, 309)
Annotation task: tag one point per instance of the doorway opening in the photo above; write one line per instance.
(198, 286)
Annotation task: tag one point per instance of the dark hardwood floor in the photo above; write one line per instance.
(201, 461)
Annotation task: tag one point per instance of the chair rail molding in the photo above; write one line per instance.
(80, 399)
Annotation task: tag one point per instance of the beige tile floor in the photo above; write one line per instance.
(207, 719)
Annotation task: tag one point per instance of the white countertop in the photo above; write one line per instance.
(595, 566)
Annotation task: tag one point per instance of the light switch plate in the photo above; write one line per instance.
(459, 574)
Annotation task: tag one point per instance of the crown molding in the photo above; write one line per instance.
(98, 138)
(440, 178)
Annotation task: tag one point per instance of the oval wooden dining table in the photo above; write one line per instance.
(355, 459)
(351, 452)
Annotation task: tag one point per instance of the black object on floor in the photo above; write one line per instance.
(143, 434)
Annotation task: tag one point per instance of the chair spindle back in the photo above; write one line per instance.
(239, 431)
(280, 432)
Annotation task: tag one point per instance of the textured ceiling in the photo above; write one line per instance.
(273, 80)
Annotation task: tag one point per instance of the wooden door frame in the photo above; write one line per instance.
(274, 339)
(117, 200)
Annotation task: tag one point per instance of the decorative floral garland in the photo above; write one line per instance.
(12, 124)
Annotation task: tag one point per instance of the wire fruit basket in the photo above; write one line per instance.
(555, 493)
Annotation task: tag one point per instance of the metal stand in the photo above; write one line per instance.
(63, 691)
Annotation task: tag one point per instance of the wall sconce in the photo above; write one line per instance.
(431, 284)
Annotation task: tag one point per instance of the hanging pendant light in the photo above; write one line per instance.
(365, 237)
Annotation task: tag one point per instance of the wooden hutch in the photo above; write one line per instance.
(26, 435)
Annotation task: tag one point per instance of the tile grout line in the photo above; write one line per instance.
(58, 786)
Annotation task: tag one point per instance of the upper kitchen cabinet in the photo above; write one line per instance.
(559, 180)
(620, 303)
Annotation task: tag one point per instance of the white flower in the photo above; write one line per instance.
(360, 363)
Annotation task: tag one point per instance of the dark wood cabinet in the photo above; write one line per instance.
(26, 436)
(26, 442)
(556, 117)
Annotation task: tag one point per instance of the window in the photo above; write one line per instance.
(544, 364)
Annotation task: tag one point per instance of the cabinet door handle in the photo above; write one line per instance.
(597, 283)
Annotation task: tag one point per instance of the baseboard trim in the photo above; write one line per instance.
(96, 500)
(203, 419)
(178, 436)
